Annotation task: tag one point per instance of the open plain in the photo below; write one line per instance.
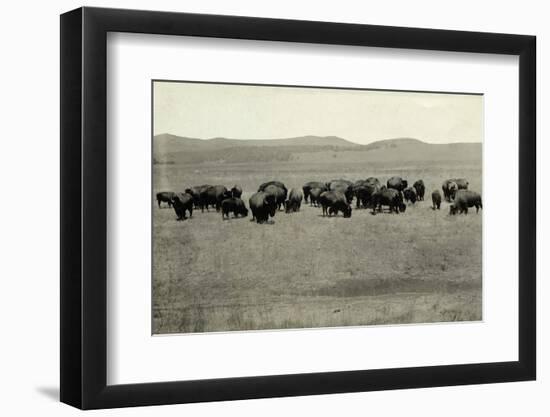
(302, 270)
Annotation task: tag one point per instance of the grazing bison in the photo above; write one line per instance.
(420, 189)
(388, 197)
(166, 197)
(213, 196)
(278, 193)
(452, 185)
(436, 199)
(181, 203)
(279, 184)
(357, 188)
(234, 205)
(196, 193)
(262, 205)
(344, 186)
(465, 199)
(236, 191)
(294, 200)
(308, 186)
(397, 183)
(461, 183)
(364, 194)
(410, 194)
(314, 195)
(334, 201)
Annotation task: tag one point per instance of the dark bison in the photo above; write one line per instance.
(279, 184)
(465, 199)
(236, 191)
(294, 200)
(452, 185)
(357, 187)
(344, 186)
(308, 186)
(213, 196)
(373, 181)
(420, 189)
(461, 183)
(388, 197)
(334, 201)
(166, 197)
(397, 183)
(410, 194)
(449, 188)
(233, 205)
(364, 194)
(183, 202)
(196, 193)
(436, 199)
(278, 193)
(314, 195)
(262, 205)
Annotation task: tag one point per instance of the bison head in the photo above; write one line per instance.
(288, 206)
(453, 209)
(347, 212)
(402, 207)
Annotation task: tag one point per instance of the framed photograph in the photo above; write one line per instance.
(258, 208)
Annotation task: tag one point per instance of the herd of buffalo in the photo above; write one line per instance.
(333, 197)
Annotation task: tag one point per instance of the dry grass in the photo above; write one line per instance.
(308, 271)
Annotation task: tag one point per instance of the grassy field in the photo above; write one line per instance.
(303, 270)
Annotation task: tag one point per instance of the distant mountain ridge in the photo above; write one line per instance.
(172, 149)
(309, 140)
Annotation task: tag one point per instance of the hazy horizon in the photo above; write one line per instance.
(313, 136)
(259, 112)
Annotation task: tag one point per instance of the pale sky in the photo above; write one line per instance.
(204, 111)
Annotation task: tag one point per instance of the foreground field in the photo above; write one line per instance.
(303, 270)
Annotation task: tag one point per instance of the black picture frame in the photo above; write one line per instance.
(84, 207)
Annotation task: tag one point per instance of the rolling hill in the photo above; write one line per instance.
(171, 149)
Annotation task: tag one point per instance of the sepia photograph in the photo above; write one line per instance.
(292, 207)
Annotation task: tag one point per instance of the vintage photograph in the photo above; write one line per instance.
(290, 207)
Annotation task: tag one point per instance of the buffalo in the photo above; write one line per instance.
(397, 183)
(166, 197)
(314, 195)
(436, 199)
(465, 199)
(420, 189)
(278, 193)
(461, 183)
(449, 187)
(334, 201)
(364, 194)
(181, 203)
(294, 200)
(262, 205)
(196, 193)
(279, 184)
(388, 197)
(308, 186)
(344, 186)
(373, 181)
(235, 205)
(410, 194)
(236, 191)
(213, 196)
(452, 185)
